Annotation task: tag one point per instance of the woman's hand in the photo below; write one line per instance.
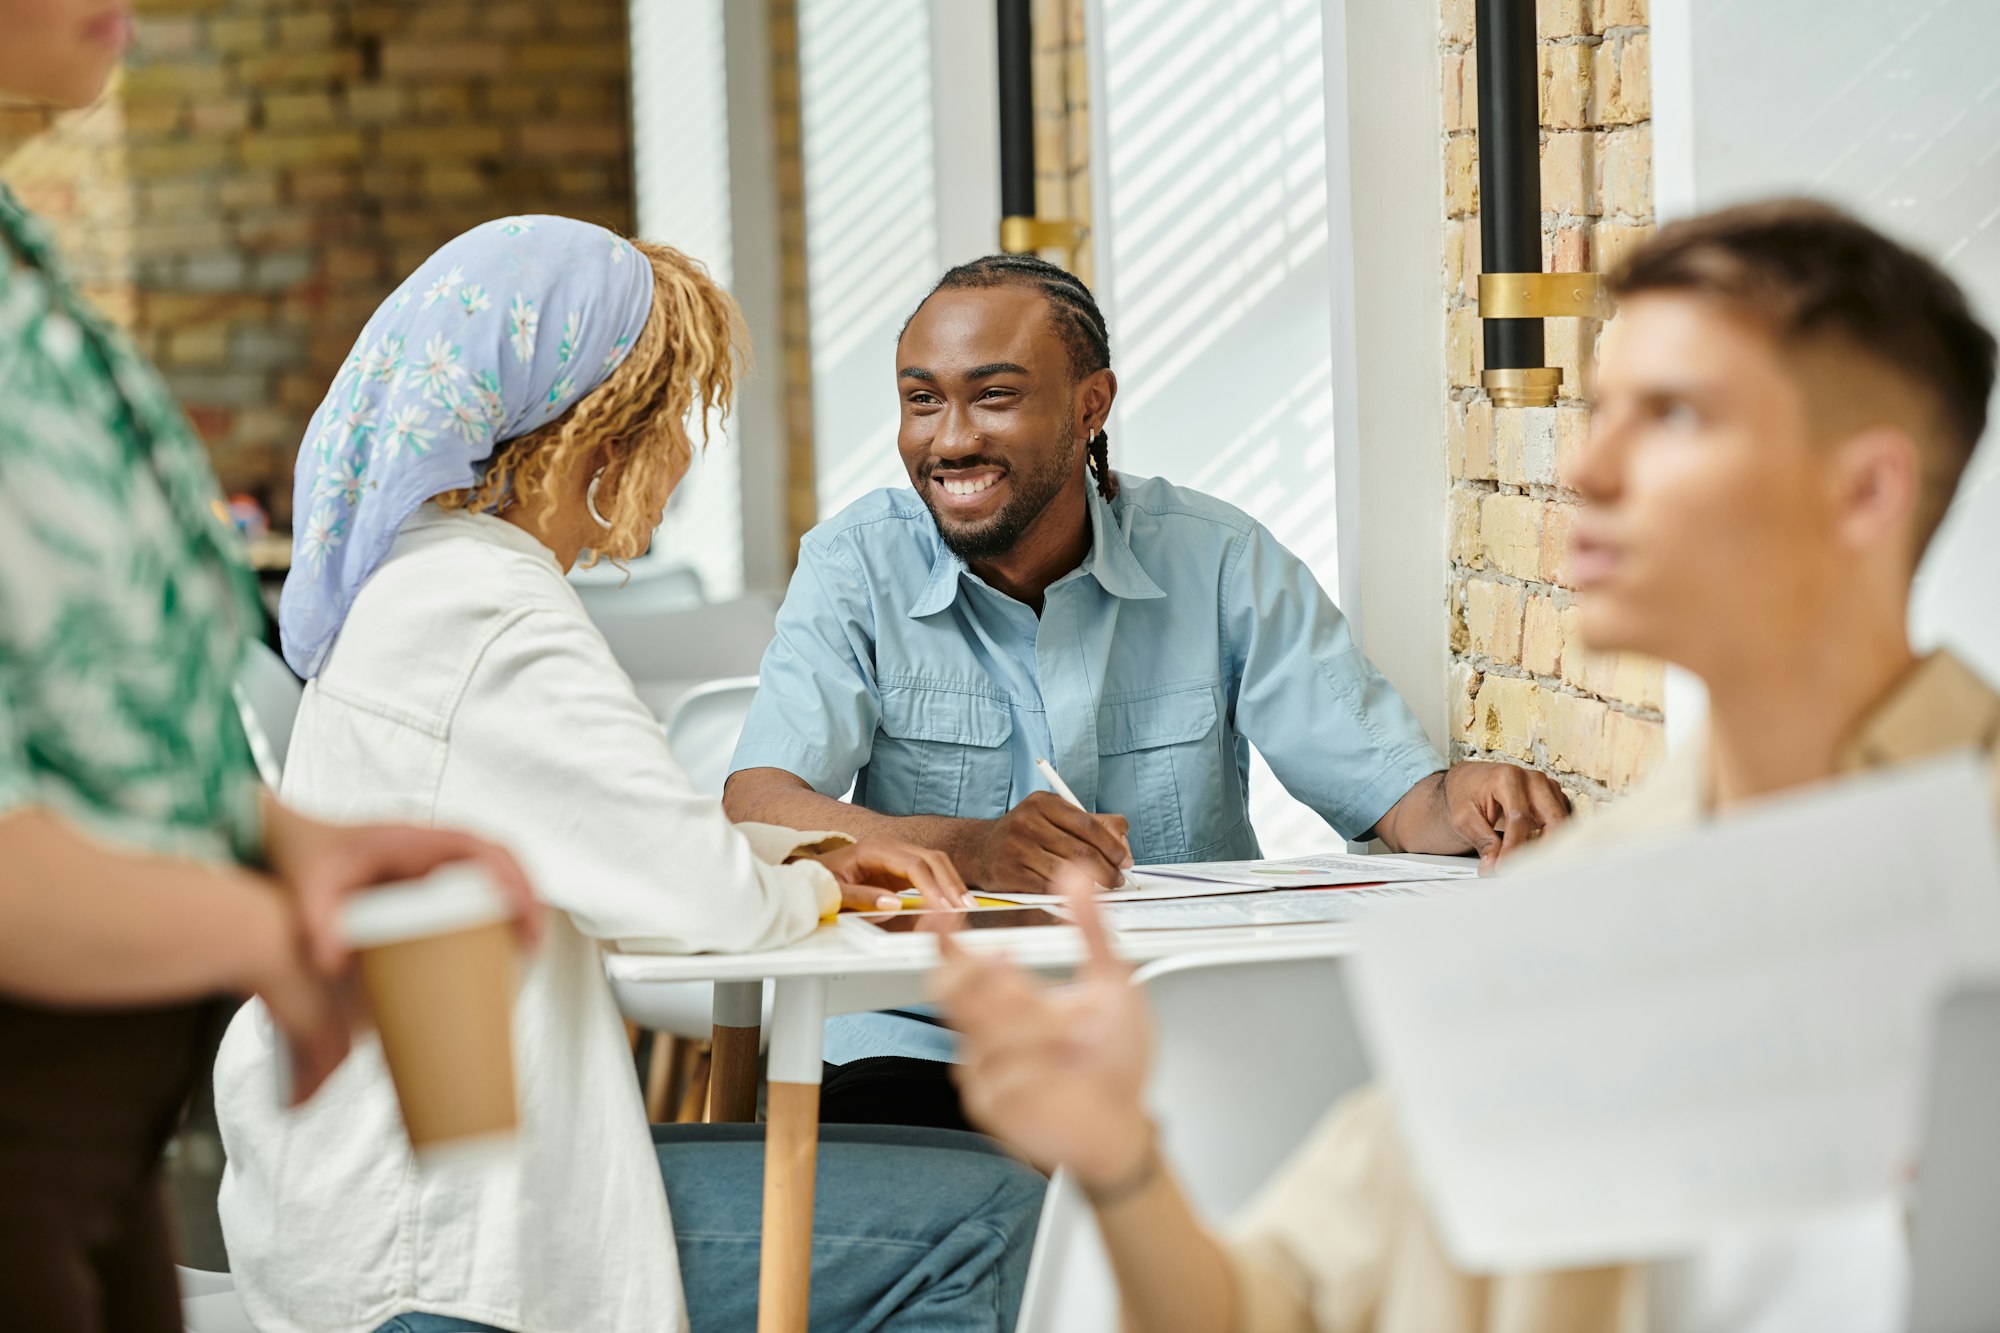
(320, 864)
(1059, 1072)
(874, 871)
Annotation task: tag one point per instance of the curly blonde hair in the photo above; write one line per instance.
(688, 355)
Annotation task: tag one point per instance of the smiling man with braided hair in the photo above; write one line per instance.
(1024, 601)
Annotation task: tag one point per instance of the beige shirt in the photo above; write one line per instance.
(1340, 1243)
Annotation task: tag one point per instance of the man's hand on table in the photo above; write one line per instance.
(1056, 1071)
(1030, 847)
(1491, 809)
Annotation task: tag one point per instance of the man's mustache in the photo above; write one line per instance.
(958, 465)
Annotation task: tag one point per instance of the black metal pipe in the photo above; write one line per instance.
(1017, 109)
(1510, 168)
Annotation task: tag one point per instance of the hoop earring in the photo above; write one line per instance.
(590, 500)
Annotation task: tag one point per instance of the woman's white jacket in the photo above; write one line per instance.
(468, 688)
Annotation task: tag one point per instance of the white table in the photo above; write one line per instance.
(828, 973)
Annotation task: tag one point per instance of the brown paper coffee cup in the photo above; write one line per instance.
(437, 962)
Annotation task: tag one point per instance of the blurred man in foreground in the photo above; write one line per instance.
(1785, 404)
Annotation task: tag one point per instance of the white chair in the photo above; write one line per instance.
(1251, 1056)
(1252, 1053)
(209, 1303)
(645, 589)
(703, 728)
(267, 699)
(1070, 1288)
(669, 652)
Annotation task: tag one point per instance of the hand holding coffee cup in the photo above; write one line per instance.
(321, 865)
(436, 959)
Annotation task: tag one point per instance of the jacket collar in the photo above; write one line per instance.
(431, 523)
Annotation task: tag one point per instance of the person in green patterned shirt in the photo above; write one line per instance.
(143, 871)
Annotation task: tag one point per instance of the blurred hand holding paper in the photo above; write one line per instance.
(1618, 1060)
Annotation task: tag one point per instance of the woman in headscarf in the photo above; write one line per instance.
(144, 875)
(522, 398)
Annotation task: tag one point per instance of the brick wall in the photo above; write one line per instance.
(1062, 124)
(795, 309)
(1523, 686)
(71, 169)
(266, 171)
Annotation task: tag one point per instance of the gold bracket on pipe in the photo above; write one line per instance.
(1020, 235)
(1522, 388)
(1542, 295)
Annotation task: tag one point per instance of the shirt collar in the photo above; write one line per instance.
(1111, 562)
(1939, 705)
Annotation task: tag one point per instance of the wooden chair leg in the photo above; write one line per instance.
(659, 1075)
(688, 1059)
(694, 1103)
(733, 1076)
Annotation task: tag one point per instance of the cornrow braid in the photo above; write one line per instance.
(1073, 311)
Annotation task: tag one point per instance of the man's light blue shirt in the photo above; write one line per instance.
(1187, 635)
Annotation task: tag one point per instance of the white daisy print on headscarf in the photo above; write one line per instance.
(522, 321)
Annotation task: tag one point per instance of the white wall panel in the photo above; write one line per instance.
(1892, 111)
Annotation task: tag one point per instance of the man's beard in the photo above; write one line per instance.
(1033, 492)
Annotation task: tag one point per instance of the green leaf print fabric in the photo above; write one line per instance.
(123, 602)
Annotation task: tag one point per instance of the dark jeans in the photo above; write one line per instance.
(914, 1230)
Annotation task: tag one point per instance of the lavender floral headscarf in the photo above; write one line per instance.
(499, 332)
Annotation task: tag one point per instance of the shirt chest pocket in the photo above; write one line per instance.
(1160, 763)
(941, 752)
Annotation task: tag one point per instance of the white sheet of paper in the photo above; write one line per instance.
(1617, 1060)
(1145, 887)
(1325, 868)
(1284, 907)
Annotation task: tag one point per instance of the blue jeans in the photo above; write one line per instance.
(914, 1230)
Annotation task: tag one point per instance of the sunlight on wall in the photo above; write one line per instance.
(1892, 111)
(681, 147)
(1213, 264)
(871, 225)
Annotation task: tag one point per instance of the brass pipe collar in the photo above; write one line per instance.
(1542, 295)
(1522, 388)
(1021, 235)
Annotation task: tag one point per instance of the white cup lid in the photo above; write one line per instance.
(452, 898)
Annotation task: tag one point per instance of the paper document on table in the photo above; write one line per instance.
(1615, 1060)
(1282, 907)
(1326, 869)
(1143, 887)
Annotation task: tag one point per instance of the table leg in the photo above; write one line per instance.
(739, 1015)
(791, 1154)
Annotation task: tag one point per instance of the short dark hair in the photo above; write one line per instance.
(1810, 272)
(1073, 313)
